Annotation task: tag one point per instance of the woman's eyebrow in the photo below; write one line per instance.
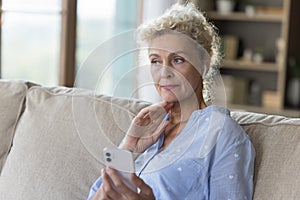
(176, 53)
(153, 54)
(179, 53)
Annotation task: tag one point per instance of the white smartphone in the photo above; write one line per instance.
(122, 161)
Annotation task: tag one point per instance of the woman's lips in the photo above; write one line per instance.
(168, 87)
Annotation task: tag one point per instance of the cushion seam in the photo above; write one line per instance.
(266, 124)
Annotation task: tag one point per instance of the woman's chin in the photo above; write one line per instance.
(170, 99)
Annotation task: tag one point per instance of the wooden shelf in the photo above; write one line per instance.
(274, 28)
(247, 65)
(260, 109)
(241, 16)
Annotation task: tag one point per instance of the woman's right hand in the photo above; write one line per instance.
(146, 127)
(113, 188)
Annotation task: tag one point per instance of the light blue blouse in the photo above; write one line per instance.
(212, 158)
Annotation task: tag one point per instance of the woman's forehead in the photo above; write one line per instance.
(172, 43)
(169, 42)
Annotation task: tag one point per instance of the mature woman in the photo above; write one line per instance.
(185, 149)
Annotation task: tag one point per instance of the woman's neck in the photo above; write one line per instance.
(179, 115)
(181, 111)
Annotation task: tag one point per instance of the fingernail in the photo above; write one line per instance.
(107, 169)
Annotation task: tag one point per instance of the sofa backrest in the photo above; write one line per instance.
(277, 164)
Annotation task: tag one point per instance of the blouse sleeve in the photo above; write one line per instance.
(95, 187)
(231, 176)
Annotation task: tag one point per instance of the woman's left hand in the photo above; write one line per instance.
(113, 187)
(146, 127)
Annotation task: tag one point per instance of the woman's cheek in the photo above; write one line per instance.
(155, 76)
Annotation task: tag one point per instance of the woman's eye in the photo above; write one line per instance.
(154, 62)
(178, 60)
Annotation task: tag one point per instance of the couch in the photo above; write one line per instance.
(51, 142)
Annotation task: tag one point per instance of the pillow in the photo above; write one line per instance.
(57, 148)
(277, 143)
(12, 94)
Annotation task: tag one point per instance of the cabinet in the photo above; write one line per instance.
(263, 42)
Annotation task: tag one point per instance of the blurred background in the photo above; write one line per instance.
(49, 41)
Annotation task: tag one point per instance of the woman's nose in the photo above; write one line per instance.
(167, 71)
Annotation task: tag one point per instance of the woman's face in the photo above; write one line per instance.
(175, 78)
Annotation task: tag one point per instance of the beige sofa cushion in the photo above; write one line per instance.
(12, 95)
(277, 165)
(58, 143)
